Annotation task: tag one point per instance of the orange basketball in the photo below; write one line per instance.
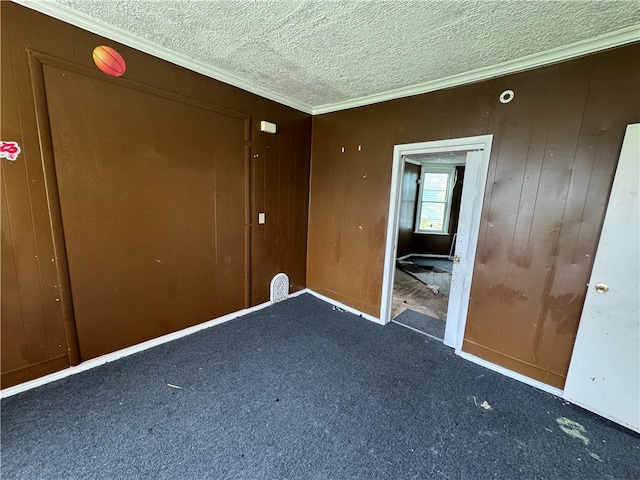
(109, 61)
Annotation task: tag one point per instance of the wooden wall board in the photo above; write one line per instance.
(555, 148)
(40, 322)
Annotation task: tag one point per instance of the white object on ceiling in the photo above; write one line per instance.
(320, 56)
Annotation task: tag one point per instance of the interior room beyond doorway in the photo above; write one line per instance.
(427, 226)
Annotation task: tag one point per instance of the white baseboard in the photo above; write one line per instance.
(298, 293)
(125, 352)
(510, 373)
(347, 308)
(110, 357)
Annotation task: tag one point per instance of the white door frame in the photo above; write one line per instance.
(472, 196)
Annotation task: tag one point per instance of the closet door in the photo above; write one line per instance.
(152, 196)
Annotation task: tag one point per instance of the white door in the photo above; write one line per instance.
(475, 174)
(604, 373)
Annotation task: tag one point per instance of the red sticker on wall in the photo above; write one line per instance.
(9, 150)
(109, 61)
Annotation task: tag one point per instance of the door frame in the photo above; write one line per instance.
(472, 197)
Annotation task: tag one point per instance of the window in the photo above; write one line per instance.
(434, 206)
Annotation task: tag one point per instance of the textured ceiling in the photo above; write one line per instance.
(320, 55)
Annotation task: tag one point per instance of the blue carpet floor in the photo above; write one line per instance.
(300, 390)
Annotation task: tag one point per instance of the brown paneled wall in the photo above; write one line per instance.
(554, 154)
(407, 213)
(38, 325)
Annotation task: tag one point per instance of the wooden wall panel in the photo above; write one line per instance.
(408, 205)
(34, 340)
(526, 241)
(14, 341)
(299, 202)
(554, 153)
(349, 232)
(280, 188)
(152, 203)
(326, 240)
(37, 319)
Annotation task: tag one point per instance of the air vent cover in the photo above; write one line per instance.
(279, 287)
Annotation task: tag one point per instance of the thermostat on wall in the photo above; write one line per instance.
(267, 127)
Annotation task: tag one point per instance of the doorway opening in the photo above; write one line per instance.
(434, 218)
(427, 228)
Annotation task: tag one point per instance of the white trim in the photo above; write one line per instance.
(388, 271)
(298, 293)
(347, 308)
(78, 19)
(454, 331)
(412, 161)
(441, 161)
(555, 55)
(125, 352)
(444, 146)
(511, 374)
(578, 49)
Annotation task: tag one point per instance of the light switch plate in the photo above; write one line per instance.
(262, 218)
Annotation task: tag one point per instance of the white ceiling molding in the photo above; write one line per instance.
(610, 40)
(85, 22)
(67, 14)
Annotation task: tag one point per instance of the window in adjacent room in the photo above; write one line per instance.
(434, 207)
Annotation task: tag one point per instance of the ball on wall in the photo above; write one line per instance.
(109, 61)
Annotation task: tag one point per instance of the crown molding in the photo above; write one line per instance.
(585, 47)
(610, 40)
(65, 14)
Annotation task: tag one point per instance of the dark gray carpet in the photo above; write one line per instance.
(302, 391)
(424, 323)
